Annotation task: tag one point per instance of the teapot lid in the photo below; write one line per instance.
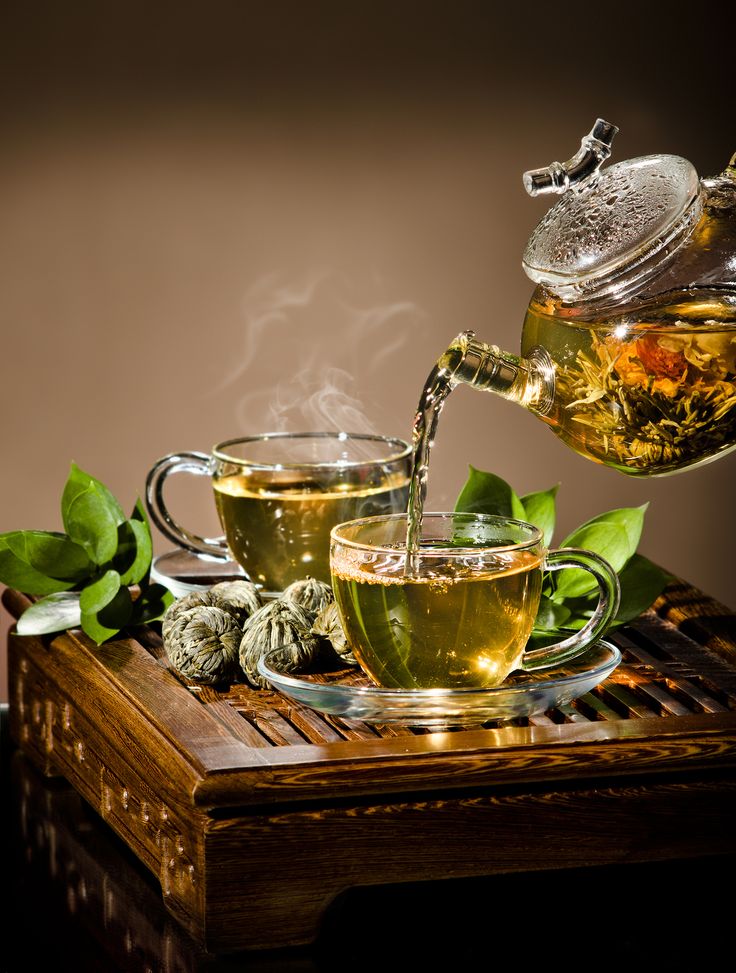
(609, 222)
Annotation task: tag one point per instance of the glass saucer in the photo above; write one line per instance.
(352, 694)
(183, 571)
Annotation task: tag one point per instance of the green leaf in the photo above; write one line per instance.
(487, 493)
(100, 593)
(642, 582)
(550, 616)
(139, 513)
(613, 535)
(628, 523)
(91, 515)
(135, 549)
(539, 509)
(54, 613)
(97, 632)
(50, 553)
(107, 622)
(17, 573)
(151, 604)
(572, 583)
(541, 639)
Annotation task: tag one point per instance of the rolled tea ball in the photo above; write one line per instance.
(240, 597)
(309, 593)
(202, 644)
(280, 624)
(328, 625)
(193, 599)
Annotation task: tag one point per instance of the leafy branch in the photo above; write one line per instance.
(84, 576)
(569, 597)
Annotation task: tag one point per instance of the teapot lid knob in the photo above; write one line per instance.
(595, 148)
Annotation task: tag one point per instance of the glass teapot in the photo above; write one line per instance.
(629, 341)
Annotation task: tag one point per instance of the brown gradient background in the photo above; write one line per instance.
(207, 212)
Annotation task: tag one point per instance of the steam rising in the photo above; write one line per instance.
(304, 343)
(325, 401)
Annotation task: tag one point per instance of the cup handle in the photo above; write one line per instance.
(608, 602)
(199, 465)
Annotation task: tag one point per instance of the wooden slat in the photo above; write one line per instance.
(223, 711)
(592, 703)
(389, 730)
(632, 705)
(665, 702)
(691, 657)
(571, 714)
(352, 729)
(701, 618)
(683, 691)
(485, 758)
(272, 724)
(311, 724)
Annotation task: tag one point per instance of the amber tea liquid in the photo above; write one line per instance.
(278, 528)
(647, 393)
(463, 623)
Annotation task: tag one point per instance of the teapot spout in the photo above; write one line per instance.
(528, 381)
(594, 149)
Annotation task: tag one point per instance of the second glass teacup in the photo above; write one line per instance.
(279, 494)
(458, 613)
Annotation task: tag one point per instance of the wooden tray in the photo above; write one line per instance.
(255, 812)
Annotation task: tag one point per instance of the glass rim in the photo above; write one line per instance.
(402, 450)
(535, 538)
